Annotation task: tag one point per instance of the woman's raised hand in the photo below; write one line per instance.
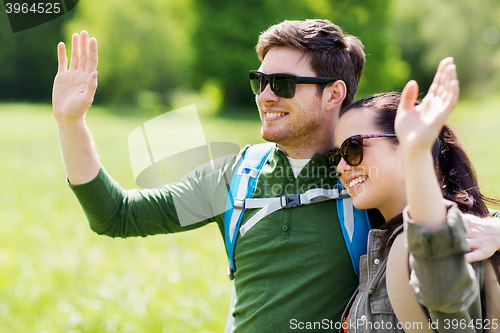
(417, 127)
(74, 88)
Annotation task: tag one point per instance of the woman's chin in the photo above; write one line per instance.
(360, 201)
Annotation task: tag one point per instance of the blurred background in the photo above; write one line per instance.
(159, 55)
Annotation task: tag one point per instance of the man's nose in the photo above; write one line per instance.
(267, 93)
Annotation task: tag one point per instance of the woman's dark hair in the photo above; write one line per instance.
(454, 169)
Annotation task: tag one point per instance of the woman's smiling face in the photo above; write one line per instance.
(378, 181)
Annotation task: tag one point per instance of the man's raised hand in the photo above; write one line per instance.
(74, 88)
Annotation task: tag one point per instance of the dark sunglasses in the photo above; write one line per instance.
(283, 85)
(351, 149)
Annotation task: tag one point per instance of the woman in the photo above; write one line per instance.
(389, 162)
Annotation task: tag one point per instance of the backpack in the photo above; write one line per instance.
(354, 222)
(239, 199)
(405, 305)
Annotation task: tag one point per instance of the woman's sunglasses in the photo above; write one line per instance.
(351, 149)
(283, 85)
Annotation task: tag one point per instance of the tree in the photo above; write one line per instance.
(143, 46)
(228, 30)
(431, 30)
(29, 60)
(152, 48)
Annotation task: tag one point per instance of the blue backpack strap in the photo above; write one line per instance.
(355, 227)
(242, 187)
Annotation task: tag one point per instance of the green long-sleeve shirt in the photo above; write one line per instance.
(293, 267)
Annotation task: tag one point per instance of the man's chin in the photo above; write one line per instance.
(271, 137)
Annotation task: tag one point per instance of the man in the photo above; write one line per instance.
(293, 268)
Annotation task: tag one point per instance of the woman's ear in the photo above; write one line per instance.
(334, 95)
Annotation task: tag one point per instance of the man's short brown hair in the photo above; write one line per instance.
(331, 53)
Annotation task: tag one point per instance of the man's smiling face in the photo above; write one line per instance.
(289, 121)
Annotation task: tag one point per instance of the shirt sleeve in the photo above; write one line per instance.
(441, 278)
(198, 199)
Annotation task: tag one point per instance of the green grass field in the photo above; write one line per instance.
(56, 275)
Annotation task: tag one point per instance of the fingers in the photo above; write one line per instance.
(444, 92)
(479, 253)
(75, 51)
(452, 86)
(439, 77)
(481, 238)
(61, 58)
(93, 59)
(91, 88)
(409, 95)
(447, 74)
(83, 53)
(476, 255)
(84, 50)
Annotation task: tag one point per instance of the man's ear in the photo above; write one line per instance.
(334, 95)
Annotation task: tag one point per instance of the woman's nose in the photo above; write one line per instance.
(343, 166)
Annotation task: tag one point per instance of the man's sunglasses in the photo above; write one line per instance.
(351, 149)
(283, 85)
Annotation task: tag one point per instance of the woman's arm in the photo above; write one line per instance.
(417, 128)
(441, 279)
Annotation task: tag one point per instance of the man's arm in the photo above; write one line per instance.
(72, 95)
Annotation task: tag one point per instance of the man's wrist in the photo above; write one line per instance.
(64, 121)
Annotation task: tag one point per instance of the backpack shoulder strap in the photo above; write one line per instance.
(404, 303)
(354, 222)
(355, 226)
(242, 187)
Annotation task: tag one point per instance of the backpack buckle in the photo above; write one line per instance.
(343, 193)
(239, 204)
(290, 200)
(230, 272)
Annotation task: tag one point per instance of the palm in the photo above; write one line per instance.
(74, 88)
(68, 94)
(417, 126)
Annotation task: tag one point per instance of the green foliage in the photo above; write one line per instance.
(58, 276)
(28, 60)
(476, 121)
(228, 33)
(143, 45)
(157, 54)
(370, 21)
(226, 37)
(428, 31)
(161, 46)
